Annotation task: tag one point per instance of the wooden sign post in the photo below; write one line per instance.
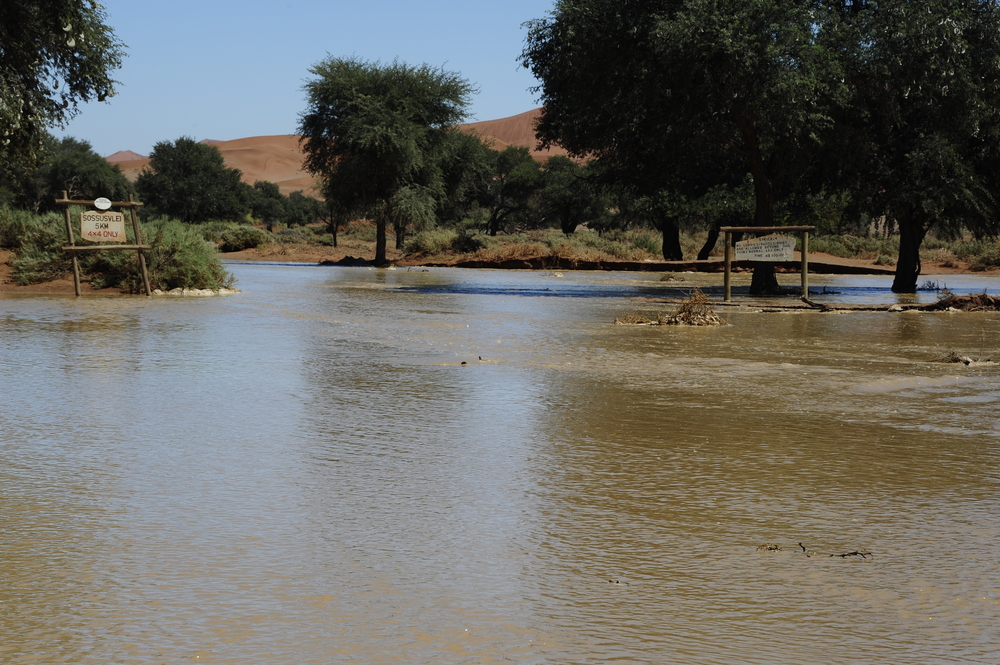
(103, 227)
(767, 249)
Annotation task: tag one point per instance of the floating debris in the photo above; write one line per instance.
(619, 582)
(635, 320)
(863, 555)
(952, 357)
(769, 547)
(695, 311)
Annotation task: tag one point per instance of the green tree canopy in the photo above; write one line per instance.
(371, 130)
(267, 203)
(509, 191)
(190, 181)
(687, 95)
(889, 104)
(71, 165)
(569, 197)
(54, 54)
(301, 209)
(919, 141)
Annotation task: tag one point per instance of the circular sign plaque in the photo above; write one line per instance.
(102, 203)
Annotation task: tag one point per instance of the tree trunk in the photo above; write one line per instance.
(671, 240)
(911, 236)
(380, 242)
(400, 235)
(764, 280)
(706, 249)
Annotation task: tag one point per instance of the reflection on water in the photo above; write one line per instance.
(307, 472)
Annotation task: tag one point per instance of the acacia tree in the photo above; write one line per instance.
(508, 192)
(683, 96)
(190, 181)
(920, 141)
(570, 195)
(54, 54)
(371, 130)
(267, 203)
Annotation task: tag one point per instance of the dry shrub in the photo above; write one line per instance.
(695, 311)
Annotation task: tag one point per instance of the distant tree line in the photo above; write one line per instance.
(864, 110)
(185, 180)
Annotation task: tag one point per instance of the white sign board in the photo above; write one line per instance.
(102, 226)
(766, 248)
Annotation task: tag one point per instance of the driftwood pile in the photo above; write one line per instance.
(977, 302)
(695, 311)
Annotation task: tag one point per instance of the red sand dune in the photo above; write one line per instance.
(124, 156)
(517, 130)
(278, 159)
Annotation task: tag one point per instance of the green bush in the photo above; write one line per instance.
(987, 257)
(180, 257)
(243, 237)
(440, 241)
(212, 231)
(467, 242)
(36, 263)
(646, 241)
(431, 242)
(19, 226)
(37, 241)
(361, 230)
(854, 246)
(299, 234)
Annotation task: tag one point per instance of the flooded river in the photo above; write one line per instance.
(361, 466)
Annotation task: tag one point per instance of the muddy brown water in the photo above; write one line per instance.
(306, 473)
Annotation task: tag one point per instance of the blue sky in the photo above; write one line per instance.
(221, 69)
